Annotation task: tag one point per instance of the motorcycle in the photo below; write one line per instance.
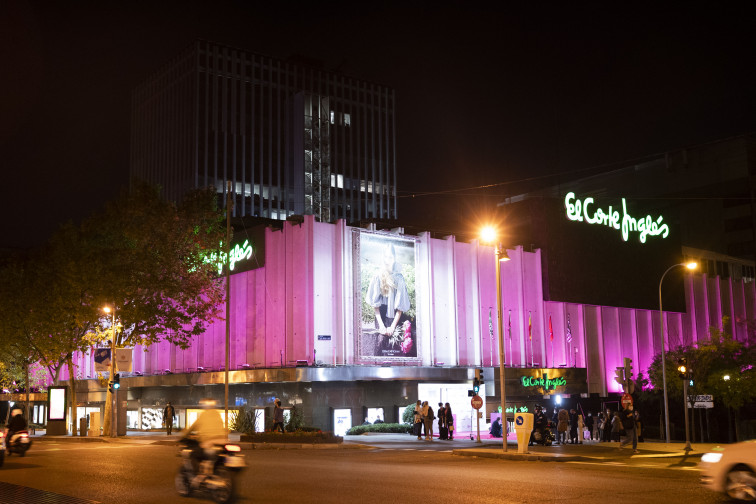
(543, 435)
(217, 470)
(19, 443)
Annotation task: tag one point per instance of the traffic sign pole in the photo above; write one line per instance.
(477, 402)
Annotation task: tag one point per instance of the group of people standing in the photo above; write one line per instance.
(424, 417)
(569, 422)
(612, 425)
(607, 426)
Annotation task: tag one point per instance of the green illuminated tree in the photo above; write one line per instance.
(151, 267)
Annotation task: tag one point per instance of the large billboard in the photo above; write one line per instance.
(385, 315)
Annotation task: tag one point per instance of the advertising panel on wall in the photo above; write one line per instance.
(384, 278)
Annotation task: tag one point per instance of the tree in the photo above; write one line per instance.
(709, 362)
(152, 268)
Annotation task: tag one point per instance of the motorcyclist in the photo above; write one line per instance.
(206, 431)
(16, 424)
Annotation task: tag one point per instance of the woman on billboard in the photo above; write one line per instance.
(388, 296)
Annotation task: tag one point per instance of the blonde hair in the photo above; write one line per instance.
(388, 283)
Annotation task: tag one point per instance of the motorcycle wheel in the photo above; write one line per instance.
(223, 494)
(183, 483)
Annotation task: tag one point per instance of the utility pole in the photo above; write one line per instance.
(229, 208)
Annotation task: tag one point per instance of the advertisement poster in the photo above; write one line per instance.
(57, 407)
(102, 359)
(387, 291)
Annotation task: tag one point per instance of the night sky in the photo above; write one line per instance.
(486, 96)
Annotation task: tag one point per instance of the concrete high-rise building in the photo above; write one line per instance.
(293, 139)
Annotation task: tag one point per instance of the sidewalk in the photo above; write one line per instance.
(589, 451)
(462, 445)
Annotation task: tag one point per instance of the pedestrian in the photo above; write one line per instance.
(443, 432)
(563, 425)
(278, 417)
(616, 426)
(424, 418)
(638, 430)
(589, 425)
(429, 423)
(573, 426)
(418, 418)
(449, 420)
(555, 424)
(628, 422)
(169, 415)
(608, 424)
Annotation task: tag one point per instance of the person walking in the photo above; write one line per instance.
(638, 430)
(628, 422)
(278, 418)
(169, 415)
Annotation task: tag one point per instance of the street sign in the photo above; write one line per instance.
(705, 401)
(627, 400)
(477, 402)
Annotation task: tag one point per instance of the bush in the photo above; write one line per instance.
(386, 428)
(243, 421)
(409, 414)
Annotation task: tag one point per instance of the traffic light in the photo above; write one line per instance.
(478, 381)
(115, 383)
(629, 385)
(619, 376)
(682, 368)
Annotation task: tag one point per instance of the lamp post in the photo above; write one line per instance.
(489, 235)
(690, 266)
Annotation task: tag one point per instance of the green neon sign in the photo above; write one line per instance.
(582, 211)
(545, 382)
(237, 254)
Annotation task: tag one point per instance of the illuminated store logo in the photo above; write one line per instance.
(545, 382)
(581, 210)
(516, 409)
(236, 254)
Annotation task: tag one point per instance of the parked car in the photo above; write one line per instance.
(731, 470)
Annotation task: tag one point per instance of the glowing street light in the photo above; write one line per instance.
(691, 266)
(489, 235)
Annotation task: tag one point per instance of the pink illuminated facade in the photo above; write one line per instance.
(303, 328)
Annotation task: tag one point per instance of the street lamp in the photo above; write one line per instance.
(690, 266)
(489, 235)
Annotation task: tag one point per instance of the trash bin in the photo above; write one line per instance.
(523, 427)
(83, 426)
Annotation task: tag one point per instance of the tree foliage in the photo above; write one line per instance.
(151, 264)
(710, 361)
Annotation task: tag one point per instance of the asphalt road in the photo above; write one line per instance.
(82, 473)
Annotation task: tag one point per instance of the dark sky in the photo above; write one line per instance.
(485, 95)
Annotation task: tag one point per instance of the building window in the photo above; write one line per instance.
(333, 117)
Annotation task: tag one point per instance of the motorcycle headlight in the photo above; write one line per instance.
(232, 447)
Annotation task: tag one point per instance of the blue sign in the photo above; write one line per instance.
(519, 419)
